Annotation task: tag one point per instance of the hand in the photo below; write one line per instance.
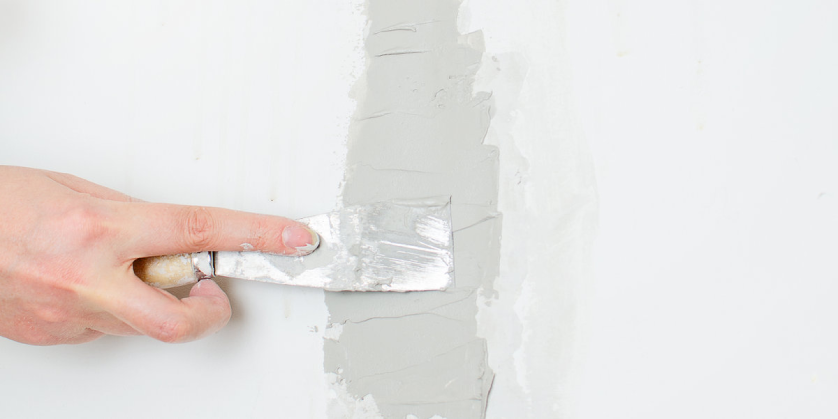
(66, 253)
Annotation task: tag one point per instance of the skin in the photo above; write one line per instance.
(66, 252)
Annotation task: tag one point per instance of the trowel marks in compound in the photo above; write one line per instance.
(419, 132)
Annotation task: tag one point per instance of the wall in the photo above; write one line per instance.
(710, 129)
(713, 131)
(237, 104)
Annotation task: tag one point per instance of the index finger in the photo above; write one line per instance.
(165, 229)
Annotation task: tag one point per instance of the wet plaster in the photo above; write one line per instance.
(418, 132)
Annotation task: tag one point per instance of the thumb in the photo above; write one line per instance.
(156, 313)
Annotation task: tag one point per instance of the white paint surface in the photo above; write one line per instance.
(548, 199)
(225, 103)
(716, 150)
(712, 129)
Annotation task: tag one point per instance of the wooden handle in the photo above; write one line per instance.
(166, 271)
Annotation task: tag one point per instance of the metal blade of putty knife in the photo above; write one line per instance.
(387, 246)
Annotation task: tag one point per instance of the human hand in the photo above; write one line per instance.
(66, 252)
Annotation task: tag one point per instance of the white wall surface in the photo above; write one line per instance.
(713, 132)
(236, 104)
(712, 128)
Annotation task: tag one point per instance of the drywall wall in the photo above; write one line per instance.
(548, 197)
(244, 111)
(243, 104)
(496, 131)
(713, 130)
(714, 139)
(227, 103)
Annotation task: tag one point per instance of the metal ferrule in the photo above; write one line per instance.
(202, 264)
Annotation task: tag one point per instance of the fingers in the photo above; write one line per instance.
(86, 336)
(163, 229)
(158, 314)
(110, 325)
(83, 336)
(83, 186)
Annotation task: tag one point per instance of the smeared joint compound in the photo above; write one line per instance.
(333, 331)
(246, 247)
(418, 132)
(341, 404)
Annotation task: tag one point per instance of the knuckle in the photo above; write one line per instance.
(50, 314)
(263, 235)
(172, 331)
(89, 223)
(64, 280)
(200, 226)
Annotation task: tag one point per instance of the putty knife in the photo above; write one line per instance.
(387, 246)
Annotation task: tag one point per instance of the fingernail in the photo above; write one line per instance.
(302, 239)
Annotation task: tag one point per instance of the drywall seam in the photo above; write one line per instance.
(419, 132)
